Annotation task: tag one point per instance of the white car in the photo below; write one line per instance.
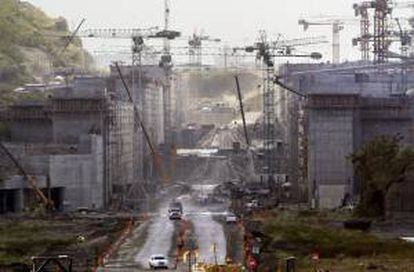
(231, 218)
(20, 90)
(158, 261)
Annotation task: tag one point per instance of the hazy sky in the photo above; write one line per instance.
(237, 21)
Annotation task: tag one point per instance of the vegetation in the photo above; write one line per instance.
(24, 240)
(333, 242)
(32, 43)
(380, 164)
(291, 234)
(27, 237)
(4, 131)
(216, 82)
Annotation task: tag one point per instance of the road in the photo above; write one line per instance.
(207, 231)
(159, 238)
(152, 237)
(155, 236)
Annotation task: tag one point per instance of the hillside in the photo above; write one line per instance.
(219, 85)
(31, 46)
(216, 82)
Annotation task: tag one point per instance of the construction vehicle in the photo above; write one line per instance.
(45, 202)
(176, 206)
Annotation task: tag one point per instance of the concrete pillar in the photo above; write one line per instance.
(18, 200)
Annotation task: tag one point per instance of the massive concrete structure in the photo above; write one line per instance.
(80, 140)
(72, 178)
(344, 109)
(146, 84)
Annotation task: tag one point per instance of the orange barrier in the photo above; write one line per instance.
(112, 248)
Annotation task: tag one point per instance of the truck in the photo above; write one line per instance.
(175, 210)
(175, 206)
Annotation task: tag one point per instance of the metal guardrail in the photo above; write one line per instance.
(61, 263)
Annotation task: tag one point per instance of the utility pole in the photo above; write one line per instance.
(215, 254)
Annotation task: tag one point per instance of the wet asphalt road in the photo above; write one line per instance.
(155, 237)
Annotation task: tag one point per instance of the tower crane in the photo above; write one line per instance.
(195, 43)
(337, 27)
(286, 47)
(405, 4)
(138, 37)
(405, 40)
(166, 64)
(266, 51)
(381, 36)
(362, 10)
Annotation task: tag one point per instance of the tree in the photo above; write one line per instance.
(380, 164)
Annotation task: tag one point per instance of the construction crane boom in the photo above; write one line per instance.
(72, 36)
(47, 203)
(239, 95)
(337, 26)
(382, 12)
(266, 52)
(155, 154)
(136, 112)
(402, 5)
(195, 43)
(301, 41)
(382, 36)
(120, 33)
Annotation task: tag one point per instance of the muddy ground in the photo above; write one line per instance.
(83, 237)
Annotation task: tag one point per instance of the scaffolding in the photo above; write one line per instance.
(380, 36)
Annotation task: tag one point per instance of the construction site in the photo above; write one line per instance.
(195, 152)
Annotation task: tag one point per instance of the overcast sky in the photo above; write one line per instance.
(236, 21)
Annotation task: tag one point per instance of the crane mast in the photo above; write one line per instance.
(166, 25)
(381, 36)
(195, 48)
(337, 26)
(266, 52)
(166, 64)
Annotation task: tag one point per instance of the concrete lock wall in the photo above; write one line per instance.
(34, 131)
(331, 141)
(121, 146)
(153, 112)
(81, 176)
(68, 128)
(26, 154)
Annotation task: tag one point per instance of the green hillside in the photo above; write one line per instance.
(31, 46)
